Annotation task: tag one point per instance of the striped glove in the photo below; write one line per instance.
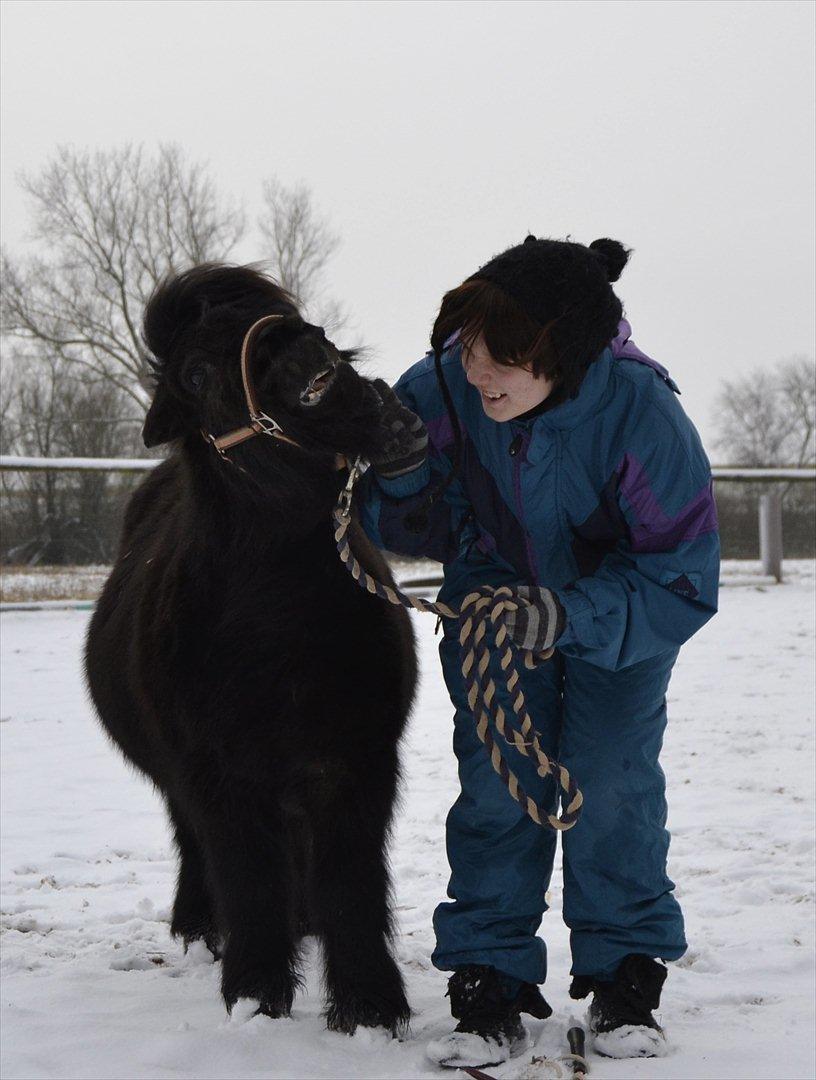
(401, 438)
(539, 621)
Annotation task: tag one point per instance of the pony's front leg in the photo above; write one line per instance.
(193, 916)
(244, 845)
(351, 900)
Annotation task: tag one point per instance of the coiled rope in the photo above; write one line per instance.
(482, 623)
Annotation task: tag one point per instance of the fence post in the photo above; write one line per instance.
(770, 533)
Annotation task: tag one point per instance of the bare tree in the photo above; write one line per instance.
(113, 223)
(50, 409)
(300, 244)
(798, 385)
(769, 417)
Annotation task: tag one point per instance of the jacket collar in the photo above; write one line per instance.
(573, 412)
(592, 394)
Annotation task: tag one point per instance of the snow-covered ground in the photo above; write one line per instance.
(94, 987)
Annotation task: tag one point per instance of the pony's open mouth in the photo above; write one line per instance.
(317, 387)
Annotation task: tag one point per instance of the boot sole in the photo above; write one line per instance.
(518, 1046)
(630, 1042)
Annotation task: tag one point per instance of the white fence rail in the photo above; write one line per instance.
(770, 504)
(10, 461)
(746, 473)
(77, 464)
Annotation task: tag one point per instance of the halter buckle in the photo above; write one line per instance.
(266, 424)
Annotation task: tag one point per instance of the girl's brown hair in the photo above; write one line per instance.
(512, 338)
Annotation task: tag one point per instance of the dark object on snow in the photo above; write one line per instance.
(235, 662)
(577, 1044)
(625, 1001)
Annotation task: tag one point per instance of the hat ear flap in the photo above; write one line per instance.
(163, 422)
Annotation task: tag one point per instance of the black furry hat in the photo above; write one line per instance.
(565, 287)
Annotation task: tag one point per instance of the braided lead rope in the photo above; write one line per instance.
(493, 604)
(479, 609)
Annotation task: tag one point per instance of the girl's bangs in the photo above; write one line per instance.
(480, 309)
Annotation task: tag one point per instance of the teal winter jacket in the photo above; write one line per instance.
(606, 499)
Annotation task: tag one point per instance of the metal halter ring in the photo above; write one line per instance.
(344, 502)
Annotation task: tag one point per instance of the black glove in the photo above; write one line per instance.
(401, 439)
(539, 621)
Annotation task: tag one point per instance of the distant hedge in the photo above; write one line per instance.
(738, 512)
(60, 518)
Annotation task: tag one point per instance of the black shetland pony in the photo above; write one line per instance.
(235, 662)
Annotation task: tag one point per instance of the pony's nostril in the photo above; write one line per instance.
(317, 385)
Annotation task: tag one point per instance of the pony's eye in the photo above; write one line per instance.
(195, 377)
(314, 391)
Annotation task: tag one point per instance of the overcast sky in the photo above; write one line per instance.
(435, 134)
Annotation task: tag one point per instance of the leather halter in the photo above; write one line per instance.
(260, 423)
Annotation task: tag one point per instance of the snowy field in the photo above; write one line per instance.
(93, 985)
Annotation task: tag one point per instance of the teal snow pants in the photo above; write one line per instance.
(607, 728)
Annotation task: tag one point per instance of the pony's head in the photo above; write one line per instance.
(194, 326)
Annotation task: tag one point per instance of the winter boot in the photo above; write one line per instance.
(620, 1014)
(488, 1007)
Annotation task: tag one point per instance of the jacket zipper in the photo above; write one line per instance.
(518, 452)
(563, 525)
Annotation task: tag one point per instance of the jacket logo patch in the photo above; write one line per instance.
(683, 586)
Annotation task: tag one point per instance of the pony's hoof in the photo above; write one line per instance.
(350, 1013)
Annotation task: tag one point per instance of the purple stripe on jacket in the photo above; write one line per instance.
(623, 347)
(440, 432)
(655, 530)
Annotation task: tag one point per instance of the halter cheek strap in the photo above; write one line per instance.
(260, 423)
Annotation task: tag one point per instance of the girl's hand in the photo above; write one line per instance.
(401, 439)
(539, 621)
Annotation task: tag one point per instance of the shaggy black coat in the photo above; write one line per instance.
(235, 662)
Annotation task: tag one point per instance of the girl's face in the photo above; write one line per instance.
(506, 392)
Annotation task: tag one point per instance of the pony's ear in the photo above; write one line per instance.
(163, 422)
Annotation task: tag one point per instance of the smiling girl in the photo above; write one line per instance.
(536, 446)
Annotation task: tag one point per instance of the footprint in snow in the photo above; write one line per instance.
(136, 963)
(24, 924)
